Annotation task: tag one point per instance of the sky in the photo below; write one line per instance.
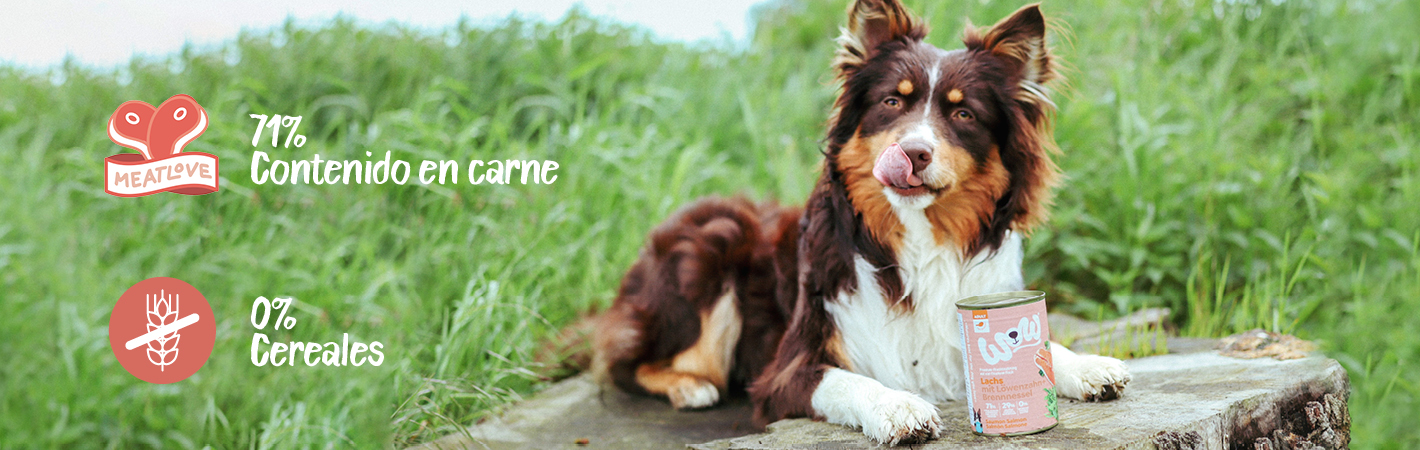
(38, 34)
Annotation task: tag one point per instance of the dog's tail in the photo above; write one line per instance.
(570, 351)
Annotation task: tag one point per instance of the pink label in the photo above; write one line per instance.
(1010, 380)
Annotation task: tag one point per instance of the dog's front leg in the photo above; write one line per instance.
(803, 382)
(1088, 377)
(886, 415)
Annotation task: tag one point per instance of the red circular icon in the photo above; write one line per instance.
(162, 330)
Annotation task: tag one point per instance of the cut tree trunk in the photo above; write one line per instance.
(1198, 400)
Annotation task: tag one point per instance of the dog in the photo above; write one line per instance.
(937, 163)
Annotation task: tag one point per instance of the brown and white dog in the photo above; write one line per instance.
(937, 162)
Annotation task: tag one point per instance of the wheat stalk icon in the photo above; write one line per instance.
(162, 310)
(163, 325)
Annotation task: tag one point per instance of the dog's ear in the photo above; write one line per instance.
(1018, 40)
(872, 23)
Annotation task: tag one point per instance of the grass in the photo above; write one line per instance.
(1245, 163)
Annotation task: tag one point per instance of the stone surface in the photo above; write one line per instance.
(1067, 328)
(1177, 401)
(1258, 343)
(576, 409)
(1192, 401)
(1129, 331)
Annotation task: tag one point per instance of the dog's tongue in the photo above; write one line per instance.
(895, 169)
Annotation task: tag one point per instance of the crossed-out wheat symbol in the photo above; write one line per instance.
(163, 325)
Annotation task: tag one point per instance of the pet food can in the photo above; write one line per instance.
(1006, 349)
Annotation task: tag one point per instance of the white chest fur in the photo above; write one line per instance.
(919, 351)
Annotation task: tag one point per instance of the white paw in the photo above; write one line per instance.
(1091, 378)
(693, 395)
(898, 416)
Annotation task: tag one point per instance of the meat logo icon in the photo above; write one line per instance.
(159, 135)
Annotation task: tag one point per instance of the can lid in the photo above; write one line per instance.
(1000, 300)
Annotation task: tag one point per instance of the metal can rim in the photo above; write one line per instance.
(1000, 300)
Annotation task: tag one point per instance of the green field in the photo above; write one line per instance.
(1248, 163)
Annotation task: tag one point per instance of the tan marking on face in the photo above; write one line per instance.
(855, 162)
(968, 190)
(956, 214)
(952, 166)
(904, 87)
(955, 96)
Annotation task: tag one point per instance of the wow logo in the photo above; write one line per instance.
(1025, 334)
(159, 135)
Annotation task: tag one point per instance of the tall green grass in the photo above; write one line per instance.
(1246, 163)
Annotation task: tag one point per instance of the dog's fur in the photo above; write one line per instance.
(844, 310)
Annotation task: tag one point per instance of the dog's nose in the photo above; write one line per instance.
(918, 152)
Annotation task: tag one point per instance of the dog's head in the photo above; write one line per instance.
(962, 135)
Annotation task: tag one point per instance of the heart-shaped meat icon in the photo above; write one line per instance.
(177, 121)
(128, 126)
(159, 132)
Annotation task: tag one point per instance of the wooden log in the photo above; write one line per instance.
(1199, 400)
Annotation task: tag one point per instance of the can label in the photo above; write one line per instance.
(1010, 377)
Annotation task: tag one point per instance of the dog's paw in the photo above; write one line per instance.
(1091, 378)
(901, 417)
(693, 394)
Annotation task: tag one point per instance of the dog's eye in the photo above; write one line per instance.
(962, 114)
(892, 101)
